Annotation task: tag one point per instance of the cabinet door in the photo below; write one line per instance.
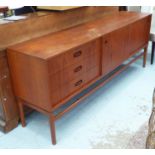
(138, 35)
(113, 49)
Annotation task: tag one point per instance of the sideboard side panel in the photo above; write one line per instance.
(138, 35)
(30, 79)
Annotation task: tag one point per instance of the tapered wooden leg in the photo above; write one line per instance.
(21, 112)
(52, 127)
(145, 57)
(152, 53)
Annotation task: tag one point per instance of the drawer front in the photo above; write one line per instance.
(72, 72)
(76, 55)
(76, 84)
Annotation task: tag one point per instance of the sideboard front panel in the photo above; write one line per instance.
(113, 49)
(72, 56)
(81, 65)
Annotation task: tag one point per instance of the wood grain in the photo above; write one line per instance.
(45, 70)
(42, 23)
(58, 42)
(36, 25)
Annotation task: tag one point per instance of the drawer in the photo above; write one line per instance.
(79, 82)
(76, 55)
(74, 85)
(72, 72)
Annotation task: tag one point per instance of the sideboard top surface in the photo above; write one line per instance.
(53, 44)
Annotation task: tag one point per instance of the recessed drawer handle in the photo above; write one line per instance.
(77, 69)
(106, 41)
(78, 83)
(77, 54)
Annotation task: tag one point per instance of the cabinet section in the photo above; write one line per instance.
(113, 49)
(78, 73)
(67, 75)
(138, 35)
(75, 85)
(79, 82)
(73, 71)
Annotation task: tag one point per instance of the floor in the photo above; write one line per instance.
(115, 116)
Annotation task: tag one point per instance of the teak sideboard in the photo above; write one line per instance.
(50, 70)
(35, 25)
